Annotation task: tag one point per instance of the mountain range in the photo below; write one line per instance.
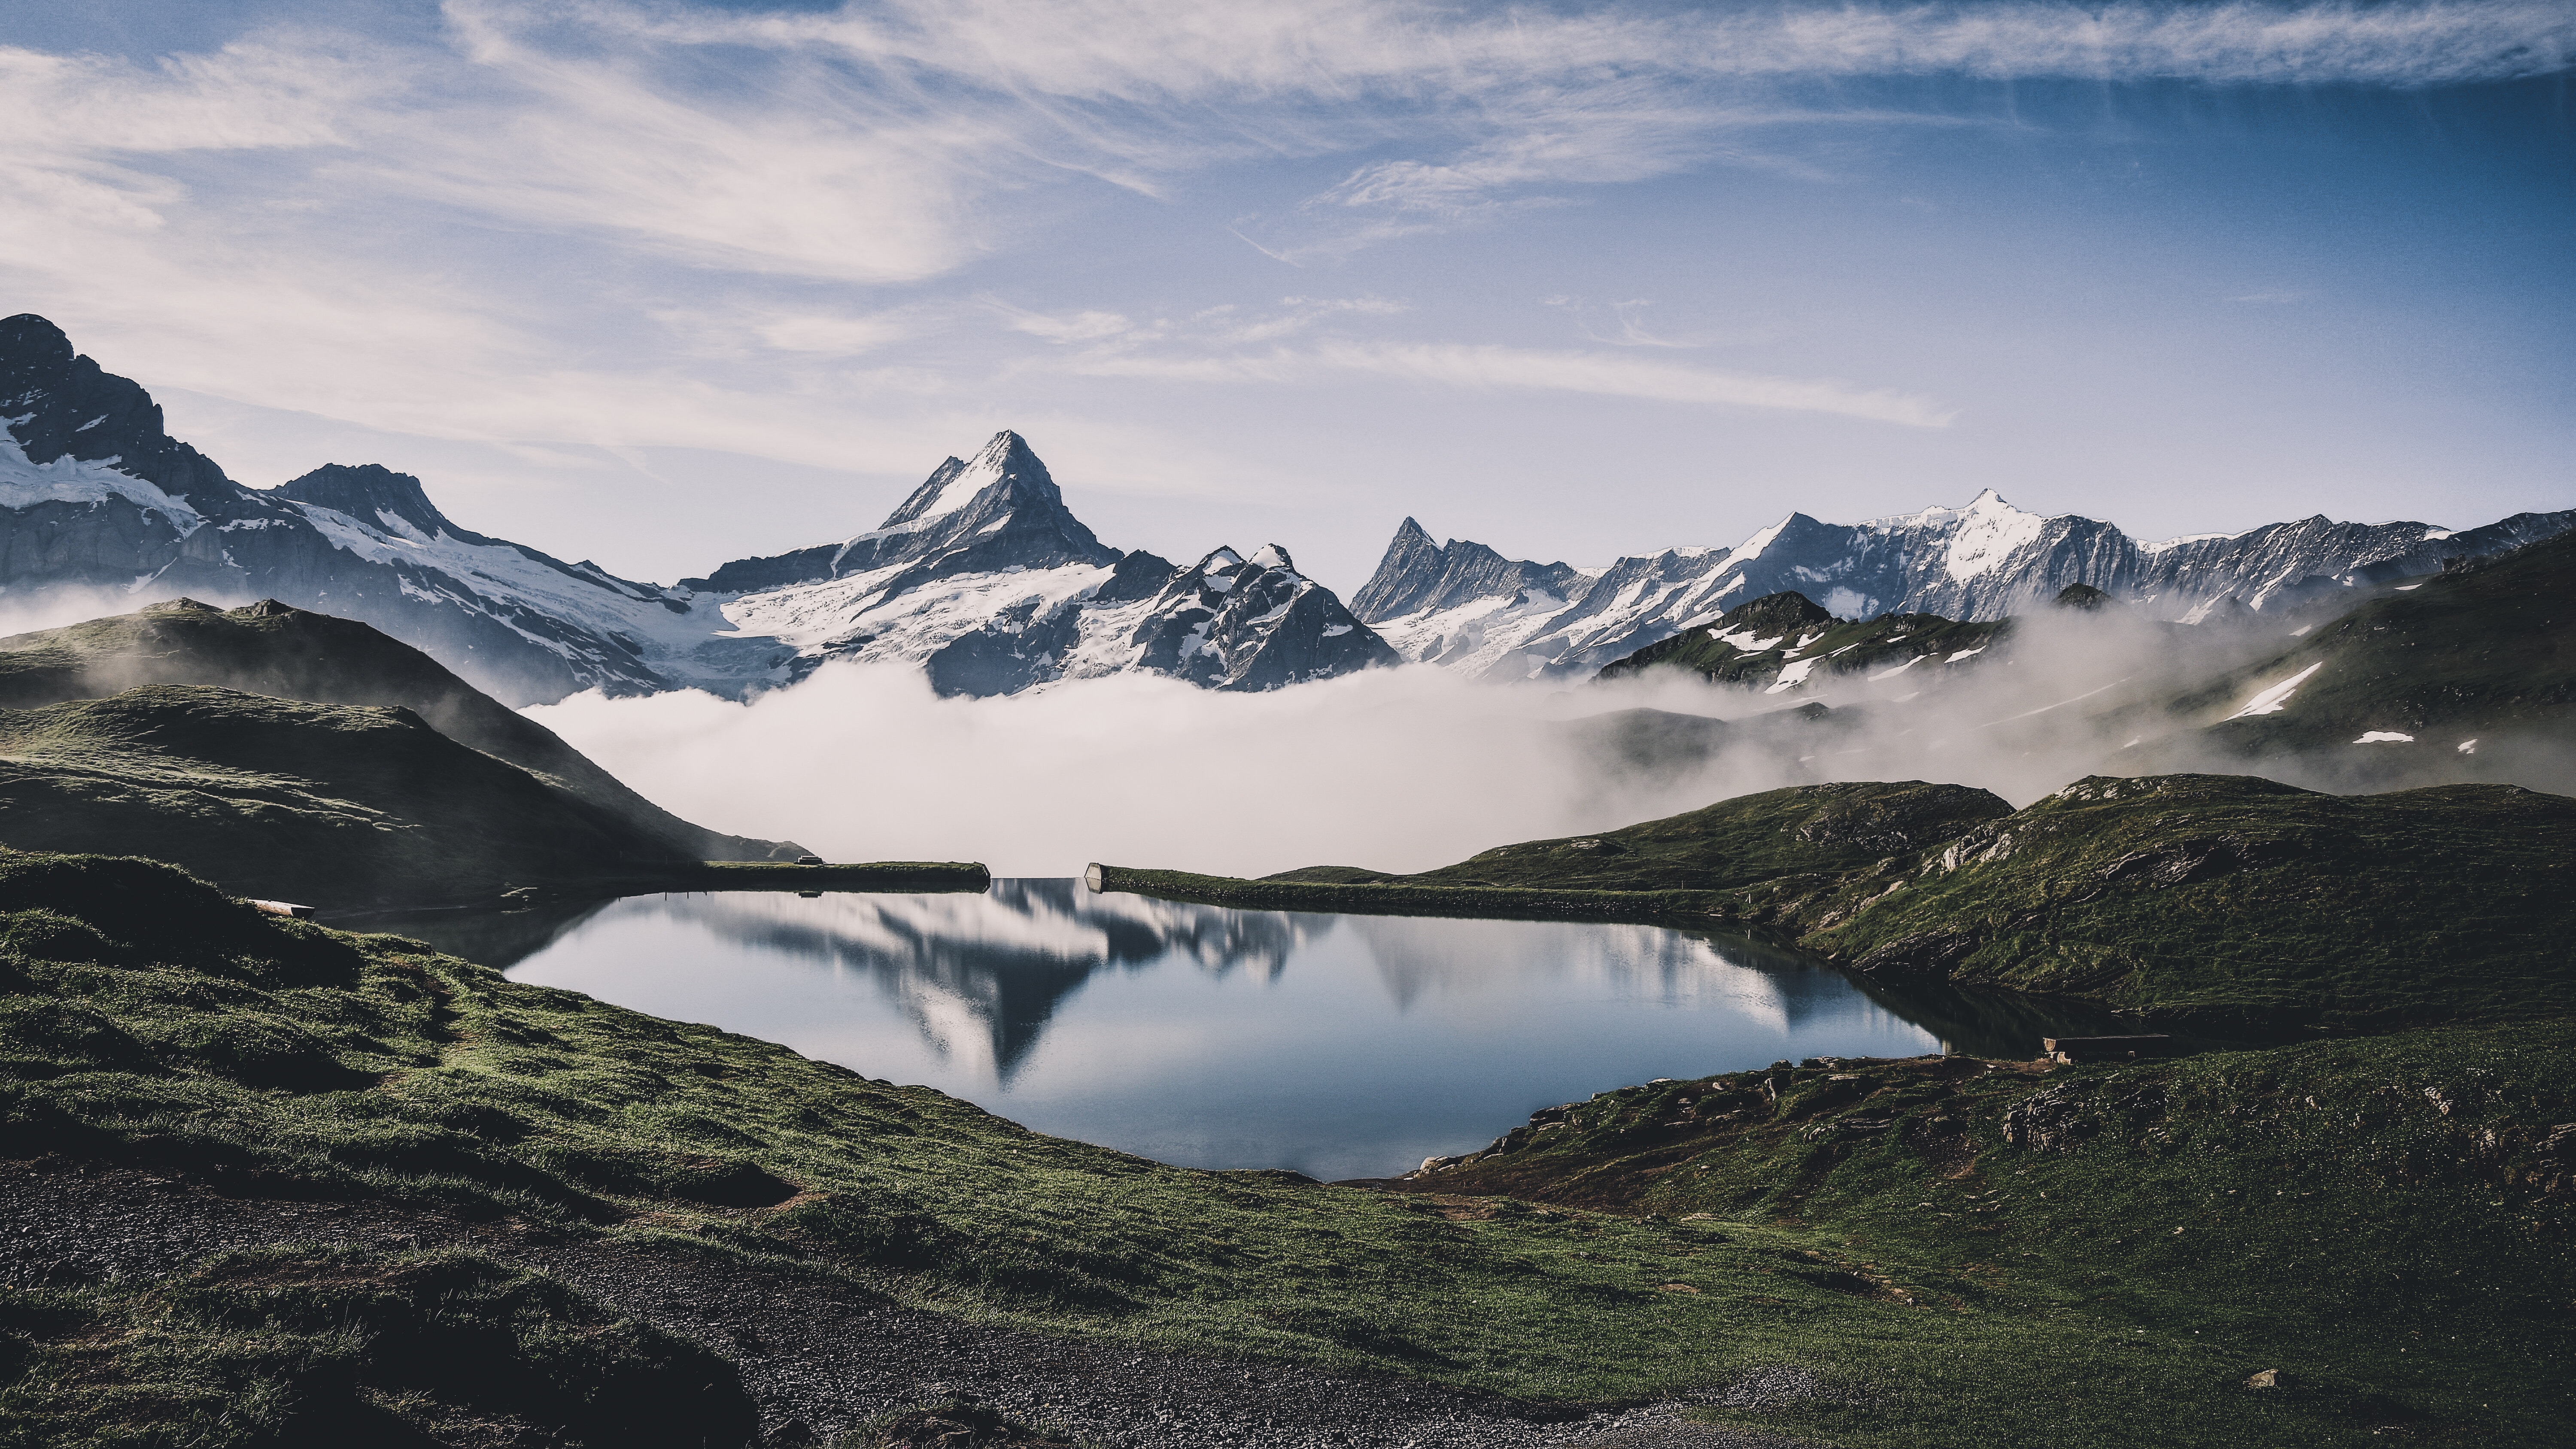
(985, 579)
(1463, 606)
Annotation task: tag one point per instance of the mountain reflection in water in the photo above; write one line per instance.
(1339, 1045)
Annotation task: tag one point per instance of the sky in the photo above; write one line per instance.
(663, 285)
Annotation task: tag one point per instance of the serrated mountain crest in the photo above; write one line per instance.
(1986, 560)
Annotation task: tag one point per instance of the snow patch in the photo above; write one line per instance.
(2275, 698)
(25, 483)
(1793, 676)
(2384, 737)
(1989, 531)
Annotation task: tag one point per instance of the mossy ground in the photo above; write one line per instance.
(145, 1019)
(2384, 1221)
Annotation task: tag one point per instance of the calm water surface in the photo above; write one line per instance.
(1341, 1046)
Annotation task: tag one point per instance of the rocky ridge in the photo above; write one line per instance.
(1464, 607)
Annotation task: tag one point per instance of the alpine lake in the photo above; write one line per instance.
(1339, 1046)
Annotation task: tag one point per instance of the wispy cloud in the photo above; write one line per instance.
(1486, 366)
(509, 231)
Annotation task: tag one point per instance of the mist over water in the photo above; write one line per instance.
(1399, 769)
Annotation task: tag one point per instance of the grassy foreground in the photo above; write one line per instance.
(146, 1019)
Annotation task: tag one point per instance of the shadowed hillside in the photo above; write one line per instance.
(269, 648)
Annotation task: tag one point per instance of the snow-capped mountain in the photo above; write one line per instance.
(982, 575)
(1465, 607)
(95, 495)
(985, 578)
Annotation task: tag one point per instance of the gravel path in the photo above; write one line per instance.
(819, 1354)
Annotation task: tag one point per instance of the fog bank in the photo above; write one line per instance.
(1400, 769)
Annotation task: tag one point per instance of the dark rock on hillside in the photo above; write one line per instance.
(374, 491)
(1786, 638)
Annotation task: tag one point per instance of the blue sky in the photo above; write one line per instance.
(663, 285)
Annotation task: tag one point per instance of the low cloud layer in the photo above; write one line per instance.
(1395, 769)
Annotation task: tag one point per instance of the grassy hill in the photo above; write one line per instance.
(148, 1021)
(332, 805)
(1811, 832)
(271, 649)
(2228, 898)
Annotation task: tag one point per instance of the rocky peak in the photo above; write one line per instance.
(1006, 460)
(1415, 574)
(372, 494)
(58, 404)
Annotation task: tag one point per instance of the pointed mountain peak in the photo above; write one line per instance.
(1220, 559)
(956, 482)
(373, 494)
(1272, 556)
(1410, 531)
(28, 340)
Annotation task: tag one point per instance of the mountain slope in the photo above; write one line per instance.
(270, 649)
(1491, 618)
(1785, 638)
(95, 496)
(2476, 659)
(337, 806)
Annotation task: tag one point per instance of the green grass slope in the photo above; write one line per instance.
(1799, 834)
(147, 1020)
(332, 805)
(2227, 897)
(2232, 896)
(272, 649)
(2389, 1224)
